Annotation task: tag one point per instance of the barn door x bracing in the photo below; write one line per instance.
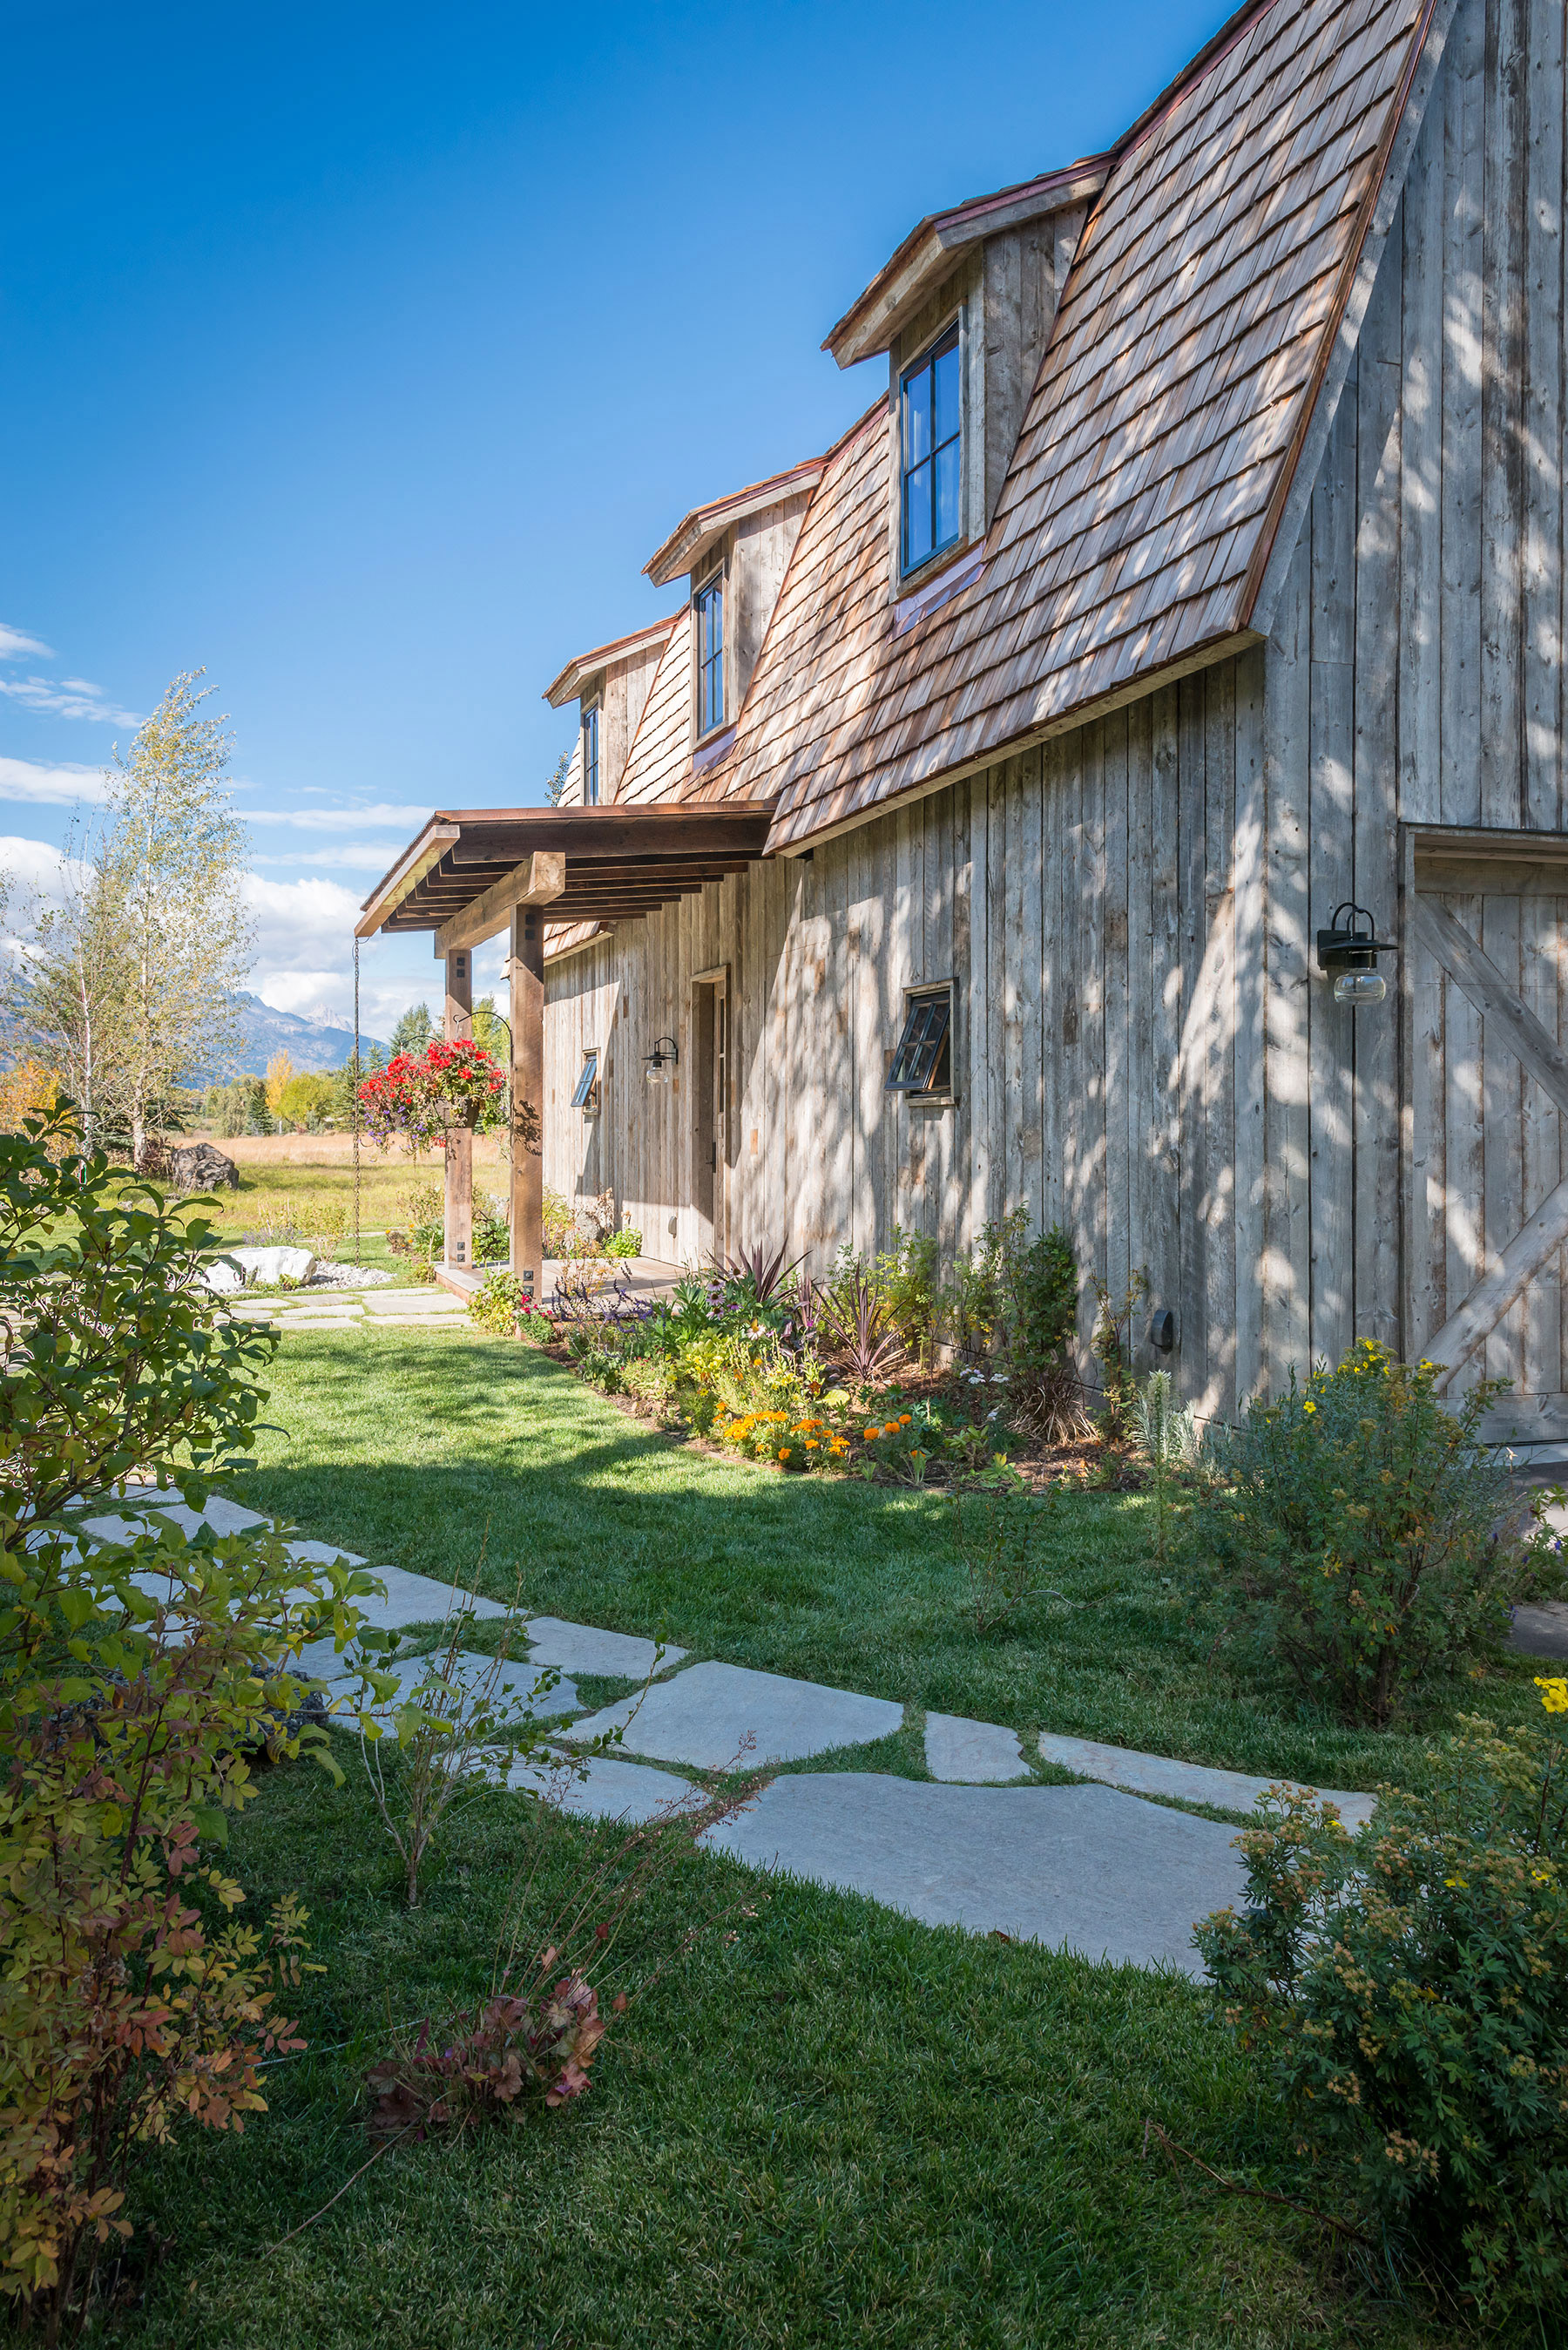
(1487, 974)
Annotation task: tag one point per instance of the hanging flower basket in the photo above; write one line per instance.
(420, 1098)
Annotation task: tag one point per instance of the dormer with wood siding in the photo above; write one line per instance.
(610, 686)
(965, 305)
(733, 553)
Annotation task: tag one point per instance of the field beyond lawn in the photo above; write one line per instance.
(456, 1455)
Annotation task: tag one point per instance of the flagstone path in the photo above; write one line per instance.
(429, 1305)
(1096, 1869)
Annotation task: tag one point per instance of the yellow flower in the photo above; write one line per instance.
(1309, 1406)
(1554, 1692)
(1457, 1880)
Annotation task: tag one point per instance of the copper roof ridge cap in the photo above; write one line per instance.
(598, 656)
(714, 507)
(1066, 177)
(1198, 67)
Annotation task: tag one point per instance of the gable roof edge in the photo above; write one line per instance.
(1287, 508)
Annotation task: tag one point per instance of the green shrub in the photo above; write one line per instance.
(906, 1274)
(423, 1209)
(1406, 1996)
(1358, 1524)
(1040, 1285)
(135, 1678)
(627, 1241)
(650, 1380)
(492, 1242)
(1112, 1347)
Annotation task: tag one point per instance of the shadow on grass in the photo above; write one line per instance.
(451, 1455)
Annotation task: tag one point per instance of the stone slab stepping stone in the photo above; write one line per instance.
(1191, 1783)
(223, 1517)
(1540, 1631)
(513, 1689)
(582, 1648)
(702, 1716)
(412, 1301)
(628, 1792)
(1077, 1869)
(977, 1752)
(418, 1600)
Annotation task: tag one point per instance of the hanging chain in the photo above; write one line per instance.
(354, 1103)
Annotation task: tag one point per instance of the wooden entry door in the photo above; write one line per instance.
(710, 1111)
(1487, 1223)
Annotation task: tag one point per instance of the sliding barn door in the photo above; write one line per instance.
(1486, 943)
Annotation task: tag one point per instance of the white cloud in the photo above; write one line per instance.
(306, 991)
(73, 699)
(16, 645)
(30, 865)
(295, 918)
(59, 786)
(343, 819)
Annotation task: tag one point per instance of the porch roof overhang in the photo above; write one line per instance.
(465, 872)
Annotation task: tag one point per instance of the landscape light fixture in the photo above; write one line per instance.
(1348, 949)
(662, 1062)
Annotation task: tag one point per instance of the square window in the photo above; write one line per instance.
(711, 655)
(930, 430)
(923, 1062)
(586, 1095)
(591, 756)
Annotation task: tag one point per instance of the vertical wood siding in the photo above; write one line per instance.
(1144, 1049)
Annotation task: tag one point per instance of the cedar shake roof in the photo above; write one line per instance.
(661, 747)
(1156, 453)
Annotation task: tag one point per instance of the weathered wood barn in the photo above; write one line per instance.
(1199, 576)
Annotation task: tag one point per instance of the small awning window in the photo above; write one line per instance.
(923, 1062)
(586, 1095)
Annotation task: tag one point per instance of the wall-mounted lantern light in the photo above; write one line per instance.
(1348, 949)
(663, 1060)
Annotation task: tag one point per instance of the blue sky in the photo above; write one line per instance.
(363, 355)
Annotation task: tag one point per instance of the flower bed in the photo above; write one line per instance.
(813, 1377)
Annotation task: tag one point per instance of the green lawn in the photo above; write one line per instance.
(837, 2129)
(824, 2125)
(452, 1454)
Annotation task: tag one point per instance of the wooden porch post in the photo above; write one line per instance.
(458, 1220)
(528, 1100)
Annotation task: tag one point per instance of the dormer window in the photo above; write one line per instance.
(591, 755)
(931, 424)
(711, 655)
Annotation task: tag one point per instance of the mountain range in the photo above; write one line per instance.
(315, 1040)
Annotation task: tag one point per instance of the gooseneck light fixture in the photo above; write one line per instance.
(663, 1060)
(1348, 949)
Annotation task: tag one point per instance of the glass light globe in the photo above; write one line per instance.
(1358, 987)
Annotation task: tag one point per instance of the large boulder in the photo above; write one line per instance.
(238, 1268)
(197, 1166)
